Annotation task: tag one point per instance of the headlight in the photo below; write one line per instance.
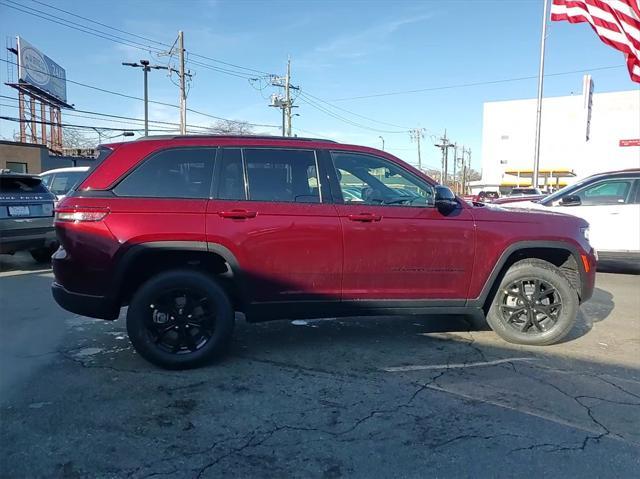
(585, 232)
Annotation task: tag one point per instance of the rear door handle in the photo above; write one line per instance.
(365, 217)
(238, 214)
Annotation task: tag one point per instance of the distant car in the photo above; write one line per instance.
(62, 180)
(610, 202)
(486, 196)
(517, 199)
(525, 192)
(26, 216)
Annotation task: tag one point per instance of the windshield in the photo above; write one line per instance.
(562, 192)
(61, 183)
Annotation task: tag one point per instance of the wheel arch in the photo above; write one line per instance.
(143, 260)
(565, 256)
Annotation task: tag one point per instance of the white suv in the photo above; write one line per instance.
(61, 180)
(610, 202)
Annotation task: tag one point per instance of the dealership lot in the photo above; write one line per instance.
(353, 397)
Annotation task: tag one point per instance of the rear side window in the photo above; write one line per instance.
(21, 185)
(175, 173)
(282, 175)
(62, 183)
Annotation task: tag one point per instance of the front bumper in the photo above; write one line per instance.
(99, 307)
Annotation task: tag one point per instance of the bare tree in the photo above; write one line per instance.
(231, 127)
(73, 138)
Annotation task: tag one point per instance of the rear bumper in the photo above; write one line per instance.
(84, 304)
(18, 235)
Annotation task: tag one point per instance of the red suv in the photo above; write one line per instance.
(187, 230)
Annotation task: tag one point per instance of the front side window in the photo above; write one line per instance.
(370, 180)
(175, 173)
(608, 192)
(282, 175)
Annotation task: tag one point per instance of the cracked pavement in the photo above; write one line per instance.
(406, 397)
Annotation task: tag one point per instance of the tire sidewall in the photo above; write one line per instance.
(567, 316)
(147, 293)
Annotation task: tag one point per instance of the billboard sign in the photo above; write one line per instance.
(40, 71)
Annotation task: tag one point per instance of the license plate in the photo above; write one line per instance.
(18, 211)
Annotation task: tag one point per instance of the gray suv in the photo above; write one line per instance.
(26, 216)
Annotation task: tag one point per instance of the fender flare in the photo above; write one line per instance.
(520, 245)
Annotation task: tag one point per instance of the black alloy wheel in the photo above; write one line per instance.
(531, 306)
(181, 321)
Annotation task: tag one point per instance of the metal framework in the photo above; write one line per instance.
(36, 126)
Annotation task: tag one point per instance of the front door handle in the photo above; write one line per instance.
(365, 217)
(238, 214)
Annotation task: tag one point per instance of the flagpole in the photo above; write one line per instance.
(536, 157)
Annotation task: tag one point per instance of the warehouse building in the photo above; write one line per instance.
(581, 134)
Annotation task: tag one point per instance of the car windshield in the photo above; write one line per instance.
(63, 182)
(21, 184)
(562, 192)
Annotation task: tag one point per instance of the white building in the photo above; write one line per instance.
(581, 135)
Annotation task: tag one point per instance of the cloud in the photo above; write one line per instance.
(367, 41)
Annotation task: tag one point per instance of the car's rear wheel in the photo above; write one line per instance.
(535, 304)
(180, 319)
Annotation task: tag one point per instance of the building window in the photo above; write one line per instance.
(17, 167)
(504, 137)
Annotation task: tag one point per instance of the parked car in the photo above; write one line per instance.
(515, 192)
(486, 196)
(26, 216)
(61, 180)
(610, 202)
(186, 230)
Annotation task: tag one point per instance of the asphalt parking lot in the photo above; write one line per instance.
(386, 397)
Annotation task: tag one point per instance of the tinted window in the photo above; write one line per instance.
(282, 175)
(181, 173)
(371, 180)
(606, 192)
(231, 185)
(636, 200)
(21, 185)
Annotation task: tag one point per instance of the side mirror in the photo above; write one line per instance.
(445, 200)
(570, 200)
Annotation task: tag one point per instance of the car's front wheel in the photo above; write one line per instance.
(535, 304)
(180, 319)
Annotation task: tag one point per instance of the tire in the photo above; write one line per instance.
(171, 327)
(534, 305)
(42, 255)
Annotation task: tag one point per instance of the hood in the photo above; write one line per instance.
(522, 212)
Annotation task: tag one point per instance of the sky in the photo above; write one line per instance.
(347, 54)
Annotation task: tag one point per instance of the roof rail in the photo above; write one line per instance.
(233, 137)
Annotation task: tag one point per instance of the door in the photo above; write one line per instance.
(397, 245)
(613, 215)
(270, 209)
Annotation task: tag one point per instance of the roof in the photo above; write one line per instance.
(67, 169)
(232, 137)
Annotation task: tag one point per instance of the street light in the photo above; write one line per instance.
(382, 141)
(146, 68)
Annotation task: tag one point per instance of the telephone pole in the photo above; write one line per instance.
(146, 68)
(455, 164)
(444, 146)
(416, 134)
(285, 103)
(183, 91)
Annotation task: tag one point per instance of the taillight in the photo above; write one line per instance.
(80, 215)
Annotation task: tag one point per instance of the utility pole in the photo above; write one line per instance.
(444, 146)
(285, 103)
(380, 136)
(455, 163)
(146, 68)
(183, 91)
(416, 134)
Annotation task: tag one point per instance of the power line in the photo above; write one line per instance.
(131, 97)
(464, 85)
(343, 119)
(124, 41)
(69, 125)
(351, 112)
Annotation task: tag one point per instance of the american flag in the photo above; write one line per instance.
(617, 23)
